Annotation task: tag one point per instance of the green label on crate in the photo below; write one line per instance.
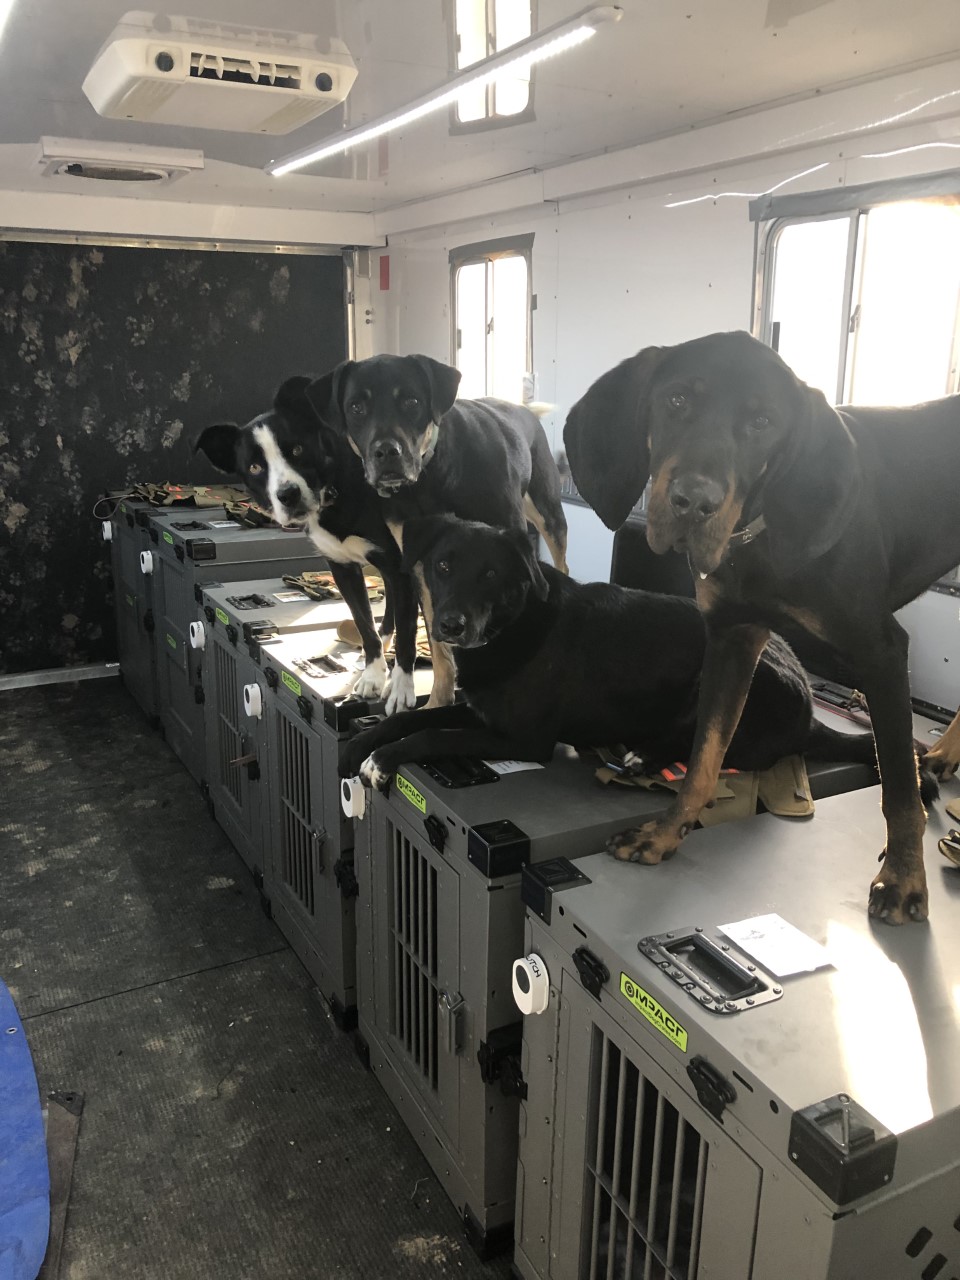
(289, 681)
(168, 537)
(130, 601)
(170, 641)
(410, 792)
(224, 617)
(654, 1012)
(123, 507)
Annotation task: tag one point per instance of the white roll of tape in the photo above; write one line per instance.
(198, 636)
(253, 701)
(353, 797)
(531, 984)
(106, 528)
(146, 562)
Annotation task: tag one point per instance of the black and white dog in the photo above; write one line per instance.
(542, 659)
(306, 473)
(425, 453)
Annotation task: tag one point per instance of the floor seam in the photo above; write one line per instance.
(147, 986)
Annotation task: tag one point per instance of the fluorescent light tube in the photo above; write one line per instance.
(5, 8)
(515, 60)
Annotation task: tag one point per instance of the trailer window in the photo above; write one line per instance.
(482, 28)
(864, 305)
(492, 312)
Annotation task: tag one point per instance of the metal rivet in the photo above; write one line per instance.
(778, 991)
(750, 1000)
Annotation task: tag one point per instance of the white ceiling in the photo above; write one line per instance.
(668, 66)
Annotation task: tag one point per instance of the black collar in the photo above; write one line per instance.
(741, 537)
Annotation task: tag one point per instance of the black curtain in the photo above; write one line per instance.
(112, 360)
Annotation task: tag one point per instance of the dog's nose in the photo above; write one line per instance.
(386, 450)
(452, 626)
(288, 495)
(695, 497)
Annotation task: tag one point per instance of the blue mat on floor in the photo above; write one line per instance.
(24, 1173)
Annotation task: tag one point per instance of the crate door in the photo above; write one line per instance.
(417, 932)
(303, 850)
(135, 651)
(179, 712)
(649, 1186)
(229, 739)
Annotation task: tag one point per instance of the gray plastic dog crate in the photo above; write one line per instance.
(307, 841)
(129, 535)
(439, 921)
(187, 551)
(693, 1110)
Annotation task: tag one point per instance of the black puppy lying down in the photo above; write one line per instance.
(542, 659)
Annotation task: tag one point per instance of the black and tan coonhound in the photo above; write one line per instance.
(788, 509)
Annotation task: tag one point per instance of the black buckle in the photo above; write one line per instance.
(593, 972)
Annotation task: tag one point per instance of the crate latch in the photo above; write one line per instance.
(452, 1007)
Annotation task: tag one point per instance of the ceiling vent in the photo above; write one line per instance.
(208, 76)
(73, 158)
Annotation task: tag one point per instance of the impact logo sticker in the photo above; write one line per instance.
(170, 641)
(410, 792)
(168, 537)
(292, 684)
(654, 1012)
(223, 616)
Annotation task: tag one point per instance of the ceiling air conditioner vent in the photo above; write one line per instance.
(67, 159)
(196, 74)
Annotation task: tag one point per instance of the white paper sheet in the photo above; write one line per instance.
(512, 766)
(777, 945)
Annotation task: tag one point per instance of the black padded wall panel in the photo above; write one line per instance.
(112, 360)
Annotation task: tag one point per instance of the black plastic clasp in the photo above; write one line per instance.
(154, 534)
(305, 707)
(148, 623)
(714, 1090)
(232, 633)
(346, 878)
(199, 696)
(210, 614)
(499, 1059)
(178, 552)
(498, 848)
(271, 676)
(253, 770)
(436, 832)
(842, 1148)
(201, 549)
(593, 972)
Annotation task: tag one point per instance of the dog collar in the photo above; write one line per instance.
(748, 533)
(431, 444)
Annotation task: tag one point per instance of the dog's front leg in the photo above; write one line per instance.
(351, 585)
(394, 728)
(472, 739)
(444, 668)
(400, 694)
(729, 663)
(898, 892)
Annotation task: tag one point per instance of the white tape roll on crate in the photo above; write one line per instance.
(106, 528)
(531, 984)
(198, 636)
(146, 562)
(353, 797)
(253, 701)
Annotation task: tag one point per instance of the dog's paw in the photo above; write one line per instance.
(942, 764)
(372, 679)
(899, 898)
(650, 844)
(400, 694)
(375, 775)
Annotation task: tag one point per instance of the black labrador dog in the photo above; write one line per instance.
(787, 509)
(426, 453)
(542, 659)
(306, 473)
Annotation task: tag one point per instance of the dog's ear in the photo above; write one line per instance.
(291, 396)
(812, 487)
(325, 395)
(443, 381)
(606, 437)
(420, 536)
(521, 543)
(219, 443)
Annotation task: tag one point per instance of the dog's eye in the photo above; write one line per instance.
(759, 423)
(443, 566)
(677, 401)
(489, 574)
(297, 450)
(410, 404)
(358, 407)
(255, 468)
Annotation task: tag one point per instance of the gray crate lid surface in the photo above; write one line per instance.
(881, 1024)
(232, 600)
(233, 542)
